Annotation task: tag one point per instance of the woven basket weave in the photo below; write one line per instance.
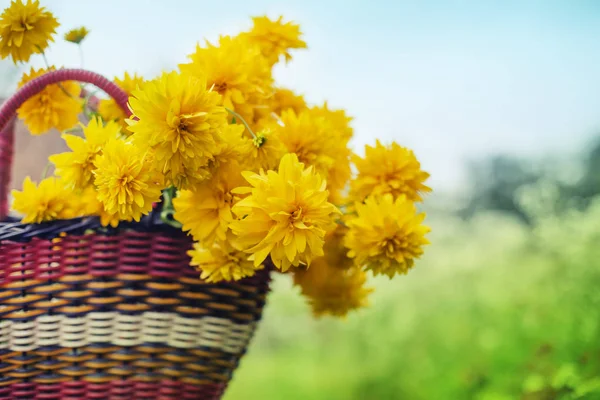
(88, 312)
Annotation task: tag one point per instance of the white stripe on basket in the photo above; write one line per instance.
(125, 330)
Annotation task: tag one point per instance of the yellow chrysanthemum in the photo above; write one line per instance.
(333, 291)
(76, 167)
(318, 143)
(279, 100)
(180, 120)
(234, 69)
(275, 38)
(91, 206)
(232, 150)
(335, 252)
(264, 151)
(25, 29)
(340, 172)
(308, 138)
(76, 35)
(205, 211)
(54, 107)
(388, 169)
(126, 182)
(221, 262)
(338, 119)
(285, 216)
(338, 126)
(386, 235)
(47, 201)
(109, 110)
(285, 99)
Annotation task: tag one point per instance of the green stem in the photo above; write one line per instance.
(75, 130)
(45, 171)
(238, 116)
(44, 57)
(168, 210)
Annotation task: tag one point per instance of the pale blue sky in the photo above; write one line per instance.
(450, 79)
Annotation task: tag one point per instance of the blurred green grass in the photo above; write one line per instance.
(495, 310)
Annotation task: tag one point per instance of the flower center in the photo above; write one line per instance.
(259, 140)
(296, 215)
(25, 25)
(180, 124)
(124, 180)
(233, 258)
(43, 206)
(391, 245)
(226, 197)
(220, 87)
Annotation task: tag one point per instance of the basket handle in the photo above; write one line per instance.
(31, 88)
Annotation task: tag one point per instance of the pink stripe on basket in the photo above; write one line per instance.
(149, 253)
(125, 389)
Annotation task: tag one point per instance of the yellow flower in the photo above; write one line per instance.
(386, 236)
(264, 151)
(25, 29)
(126, 182)
(234, 69)
(76, 35)
(388, 169)
(180, 120)
(232, 149)
(332, 291)
(52, 107)
(47, 201)
(275, 38)
(221, 262)
(279, 100)
(205, 211)
(76, 167)
(318, 143)
(308, 138)
(338, 119)
(340, 172)
(91, 206)
(107, 218)
(285, 216)
(338, 125)
(335, 252)
(285, 99)
(109, 110)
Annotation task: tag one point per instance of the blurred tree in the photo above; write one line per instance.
(494, 184)
(589, 185)
(497, 181)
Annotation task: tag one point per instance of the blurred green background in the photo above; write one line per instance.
(505, 304)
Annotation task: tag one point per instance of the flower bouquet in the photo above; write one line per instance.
(139, 268)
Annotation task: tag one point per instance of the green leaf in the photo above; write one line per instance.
(566, 376)
(588, 387)
(533, 383)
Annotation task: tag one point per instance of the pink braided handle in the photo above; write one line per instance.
(31, 88)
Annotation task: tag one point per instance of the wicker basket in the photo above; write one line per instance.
(88, 312)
